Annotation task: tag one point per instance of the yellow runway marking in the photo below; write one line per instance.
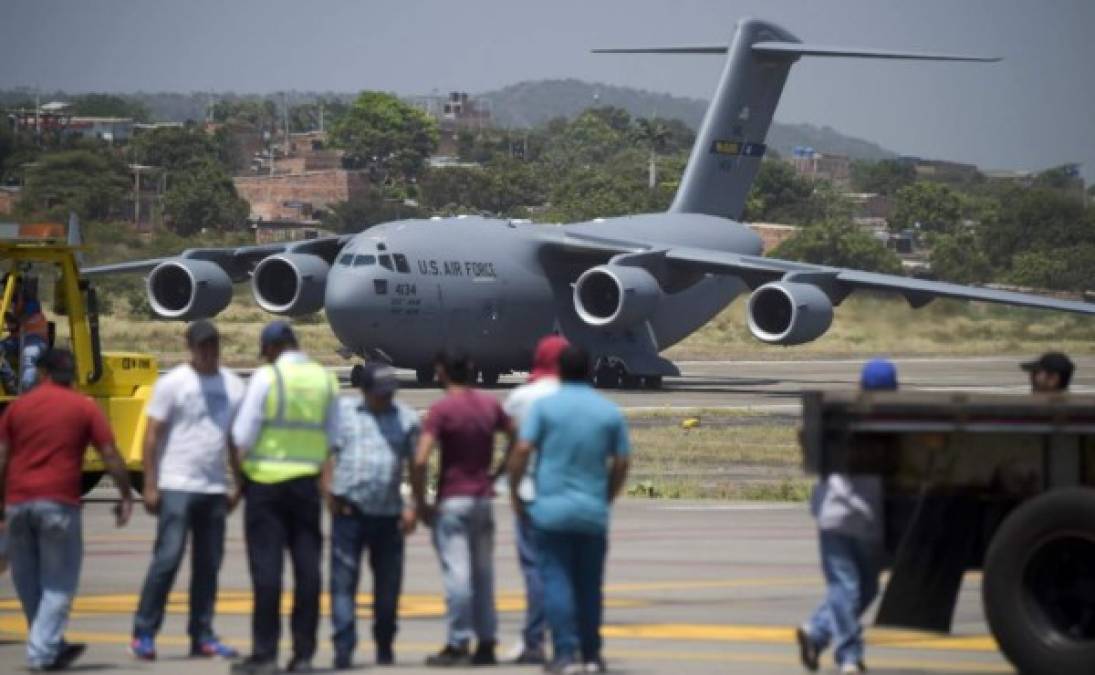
(239, 603)
(13, 626)
(889, 638)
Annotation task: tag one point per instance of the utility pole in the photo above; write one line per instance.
(321, 116)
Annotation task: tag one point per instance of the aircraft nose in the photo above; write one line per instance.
(344, 310)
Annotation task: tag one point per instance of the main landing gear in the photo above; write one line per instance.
(610, 375)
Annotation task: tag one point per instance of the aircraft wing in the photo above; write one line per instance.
(237, 262)
(839, 282)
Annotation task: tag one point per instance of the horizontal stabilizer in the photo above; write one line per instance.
(796, 49)
(665, 50)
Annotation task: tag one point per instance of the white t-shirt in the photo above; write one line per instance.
(197, 411)
(517, 406)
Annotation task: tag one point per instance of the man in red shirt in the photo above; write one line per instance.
(464, 424)
(43, 436)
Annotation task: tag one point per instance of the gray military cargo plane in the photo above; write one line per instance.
(626, 288)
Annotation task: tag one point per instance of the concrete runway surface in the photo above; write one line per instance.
(691, 587)
(776, 385)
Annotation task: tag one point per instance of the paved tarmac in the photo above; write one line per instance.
(776, 385)
(691, 588)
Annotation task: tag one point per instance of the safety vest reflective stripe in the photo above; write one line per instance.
(293, 441)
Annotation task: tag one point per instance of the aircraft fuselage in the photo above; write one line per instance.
(404, 290)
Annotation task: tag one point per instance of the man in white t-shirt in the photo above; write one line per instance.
(543, 380)
(186, 488)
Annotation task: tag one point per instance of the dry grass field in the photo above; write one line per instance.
(864, 325)
(728, 456)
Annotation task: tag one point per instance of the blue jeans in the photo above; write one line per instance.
(350, 535)
(572, 567)
(28, 363)
(464, 538)
(183, 514)
(535, 621)
(45, 548)
(851, 568)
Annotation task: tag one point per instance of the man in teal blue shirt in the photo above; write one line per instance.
(581, 441)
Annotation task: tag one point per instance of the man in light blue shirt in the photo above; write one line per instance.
(582, 445)
(373, 449)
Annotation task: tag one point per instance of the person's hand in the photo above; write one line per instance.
(427, 514)
(234, 498)
(519, 508)
(123, 510)
(408, 521)
(151, 499)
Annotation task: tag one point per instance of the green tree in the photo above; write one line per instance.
(201, 197)
(382, 132)
(502, 189)
(839, 244)
(929, 206)
(361, 213)
(93, 184)
(960, 257)
(885, 177)
(173, 148)
(1064, 177)
(1035, 219)
(109, 105)
(259, 114)
(780, 195)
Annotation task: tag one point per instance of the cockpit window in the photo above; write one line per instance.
(401, 263)
(386, 262)
(362, 260)
(346, 259)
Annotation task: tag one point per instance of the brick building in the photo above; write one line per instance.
(772, 234)
(299, 196)
(8, 197)
(809, 163)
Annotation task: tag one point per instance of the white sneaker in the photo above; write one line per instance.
(515, 651)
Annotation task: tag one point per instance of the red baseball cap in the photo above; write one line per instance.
(546, 360)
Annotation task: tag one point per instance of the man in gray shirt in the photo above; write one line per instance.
(373, 448)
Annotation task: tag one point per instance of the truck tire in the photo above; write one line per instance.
(1039, 584)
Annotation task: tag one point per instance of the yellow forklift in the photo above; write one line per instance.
(120, 382)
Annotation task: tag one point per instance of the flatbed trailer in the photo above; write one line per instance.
(1001, 484)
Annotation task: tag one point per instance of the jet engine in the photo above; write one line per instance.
(290, 284)
(186, 289)
(788, 313)
(615, 296)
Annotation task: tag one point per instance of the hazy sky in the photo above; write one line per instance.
(1035, 109)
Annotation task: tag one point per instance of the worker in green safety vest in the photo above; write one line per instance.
(282, 436)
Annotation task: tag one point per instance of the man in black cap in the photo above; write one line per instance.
(282, 434)
(1049, 374)
(186, 488)
(372, 452)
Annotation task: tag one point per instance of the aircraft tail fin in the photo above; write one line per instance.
(730, 143)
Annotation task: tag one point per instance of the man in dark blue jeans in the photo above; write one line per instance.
(583, 451)
(372, 451)
(186, 487)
